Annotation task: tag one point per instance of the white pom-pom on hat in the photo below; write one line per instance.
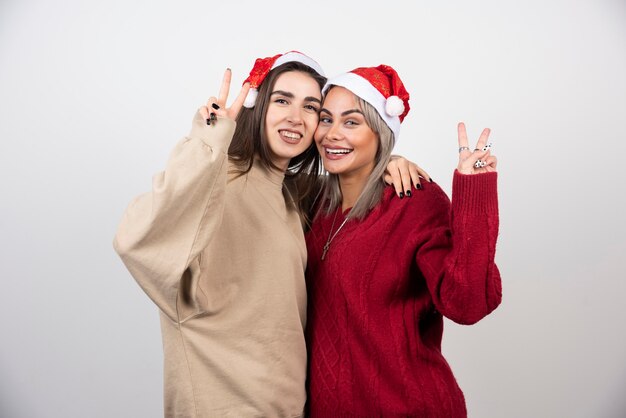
(251, 98)
(382, 88)
(394, 106)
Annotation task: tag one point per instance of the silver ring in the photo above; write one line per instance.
(461, 149)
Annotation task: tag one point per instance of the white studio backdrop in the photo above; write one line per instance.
(93, 96)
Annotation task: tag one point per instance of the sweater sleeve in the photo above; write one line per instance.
(458, 250)
(163, 231)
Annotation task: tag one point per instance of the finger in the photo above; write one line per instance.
(424, 174)
(225, 88)
(479, 166)
(469, 165)
(238, 103)
(210, 101)
(402, 165)
(204, 111)
(462, 135)
(211, 117)
(478, 155)
(482, 140)
(492, 162)
(396, 180)
(490, 159)
(464, 149)
(415, 177)
(405, 177)
(387, 179)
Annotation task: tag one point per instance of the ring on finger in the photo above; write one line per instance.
(461, 149)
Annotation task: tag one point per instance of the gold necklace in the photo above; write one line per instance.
(330, 238)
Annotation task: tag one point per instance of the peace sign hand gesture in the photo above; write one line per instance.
(478, 161)
(217, 106)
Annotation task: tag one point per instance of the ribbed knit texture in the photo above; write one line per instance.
(377, 301)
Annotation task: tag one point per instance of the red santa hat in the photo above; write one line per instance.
(382, 88)
(262, 66)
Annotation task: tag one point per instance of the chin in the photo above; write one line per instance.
(333, 169)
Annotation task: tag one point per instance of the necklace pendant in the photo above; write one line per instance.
(332, 236)
(325, 250)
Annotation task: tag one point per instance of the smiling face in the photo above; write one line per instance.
(292, 116)
(347, 144)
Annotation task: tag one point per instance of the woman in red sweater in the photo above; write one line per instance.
(383, 271)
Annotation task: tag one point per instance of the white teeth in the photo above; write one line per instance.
(291, 135)
(338, 151)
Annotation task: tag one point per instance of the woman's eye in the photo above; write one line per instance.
(325, 119)
(311, 107)
(351, 122)
(281, 101)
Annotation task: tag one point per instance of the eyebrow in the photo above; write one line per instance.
(347, 112)
(291, 96)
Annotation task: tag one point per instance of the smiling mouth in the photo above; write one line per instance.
(337, 151)
(290, 136)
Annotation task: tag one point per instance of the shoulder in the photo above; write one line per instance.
(426, 208)
(427, 200)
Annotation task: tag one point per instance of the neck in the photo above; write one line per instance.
(281, 163)
(351, 188)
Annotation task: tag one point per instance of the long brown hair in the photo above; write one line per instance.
(250, 140)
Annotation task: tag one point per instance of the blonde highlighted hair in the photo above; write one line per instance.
(373, 190)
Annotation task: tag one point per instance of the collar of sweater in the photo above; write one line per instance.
(271, 175)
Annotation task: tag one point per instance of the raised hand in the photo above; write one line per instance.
(216, 107)
(478, 160)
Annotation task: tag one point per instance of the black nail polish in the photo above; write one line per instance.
(418, 186)
(213, 116)
(401, 195)
(430, 179)
(408, 193)
(215, 106)
(208, 121)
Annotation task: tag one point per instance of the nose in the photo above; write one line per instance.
(334, 132)
(295, 116)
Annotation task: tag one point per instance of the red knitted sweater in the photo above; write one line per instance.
(377, 300)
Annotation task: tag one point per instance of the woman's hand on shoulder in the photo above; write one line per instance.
(402, 174)
(478, 160)
(216, 106)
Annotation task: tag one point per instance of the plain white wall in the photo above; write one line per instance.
(93, 96)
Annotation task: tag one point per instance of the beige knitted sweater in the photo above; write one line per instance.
(223, 257)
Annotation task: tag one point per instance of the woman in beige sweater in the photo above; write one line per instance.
(218, 245)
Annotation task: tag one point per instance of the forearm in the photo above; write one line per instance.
(162, 231)
(460, 262)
